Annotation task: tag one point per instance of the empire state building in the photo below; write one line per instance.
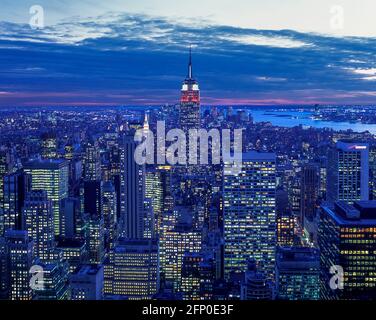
(190, 116)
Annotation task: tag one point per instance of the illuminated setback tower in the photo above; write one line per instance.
(190, 117)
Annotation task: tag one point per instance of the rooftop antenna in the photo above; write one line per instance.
(190, 72)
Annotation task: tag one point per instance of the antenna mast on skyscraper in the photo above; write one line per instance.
(190, 73)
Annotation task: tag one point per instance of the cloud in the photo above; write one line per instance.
(137, 59)
(278, 42)
(368, 74)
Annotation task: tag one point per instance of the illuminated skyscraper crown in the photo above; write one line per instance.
(190, 88)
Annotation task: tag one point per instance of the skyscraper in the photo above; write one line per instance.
(110, 214)
(38, 221)
(93, 197)
(309, 200)
(49, 145)
(190, 114)
(132, 192)
(4, 269)
(348, 172)
(95, 240)
(92, 162)
(21, 259)
(132, 270)
(176, 243)
(256, 285)
(87, 283)
(54, 282)
(250, 214)
(15, 188)
(69, 214)
(52, 176)
(347, 242)
(309, 192)
(286, 229)
(298, 273)
(155, 190)
(5, 167)
(153, 185)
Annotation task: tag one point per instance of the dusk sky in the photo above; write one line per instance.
(118, 52)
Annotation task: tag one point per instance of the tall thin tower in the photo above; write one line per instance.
(132, 192)
(190, 117)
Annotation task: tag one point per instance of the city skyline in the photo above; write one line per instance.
(133, 165)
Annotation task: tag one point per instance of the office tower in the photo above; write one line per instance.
(118, 189)
(93, 198)
(208, 275)
(92, 162)
(348, 172)
(4, 269)
(49, 145)
(179, 239)
(4, 160)
(298, 273)
(282, 202)
(190, 113)
(95, 240)
(75, 175)
(54, 285)
(38, 222)
(69, 214)
(132, 270)
(110, 214)
(309, 187)
(347, 241)
(190, 276)
(294, 194)
(114, 159)
(74, 252)
(52, 176)
(149, 220)
(87, 283)
(372, 170)
(5, 167)
(255, 285)
(285, 229)
(249, 214)
(21, 259)
(132, 192)
(198, 276)
(323, 177)
(167, 196)
(214, 245)
(15, 188)
(154, 192)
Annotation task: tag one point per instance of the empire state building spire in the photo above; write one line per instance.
(190, 71)
(190, 115)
